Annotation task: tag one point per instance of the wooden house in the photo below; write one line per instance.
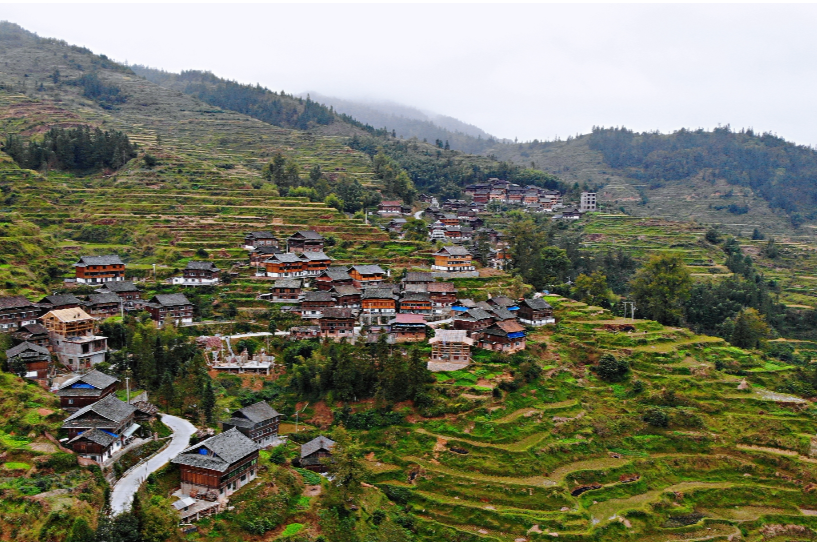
(218, 466)
(58, 301)
(443, 295)
(35, 359)
(450, 220)
(170, 307)
(315, 454)
(416, 303)
(127, 291)
(451, 346)
(32, 333)
(337, 323)
(258, 421)
(109, 414)
(507, 336)
(452, 259)
(102, 305)
(535, 312)
(346, 297)
(254, 239)
(98, 445)
(287, 265)
(262, 253)
(305, 241)
(73, 339)
(315, 302)
(416, 279)
(198, 273)
(315, 263)
(286, 290)
(408, 328)
(473, 319)
(377, 302)
(333, 277)
(86, 389)
(366, 275)
(17, 311)
(389, 208)
(98, 269)
(436, 230)
(301, 333)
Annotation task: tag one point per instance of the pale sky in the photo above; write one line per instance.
(526, 70)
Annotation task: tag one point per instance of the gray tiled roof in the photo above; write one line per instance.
(95, 436)
(454, 250)
(34, 329)
(503, 313)
(288, 283)
(260, 234)
(369, 269)
(257, 412)
(379, 293)
(343, 291)
(98, 379)
(318, 296)
(503, 301)
(112, 259)
(415, 296)
(223, 449)
(538, 304)
(419, 277)
(268, 250)
(171, 299)
(109, 407)
(337, 313)
(15, 301)
(312, 235)
(121, 285)
(102, 298)
(315, 256)
(201, 266)
(284, 258)
(318, 443)
(22, 347)
(337, 273)
(478, 314)
(441, 287)
(60, 300)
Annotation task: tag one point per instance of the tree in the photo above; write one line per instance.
(749, 329)
(415, 229)
(208, 401)
(345, 466)
(80, 531)
(656, 417)
(661, 287)
(593, 290)
(332, 201)
(611, 369)
(712, 235)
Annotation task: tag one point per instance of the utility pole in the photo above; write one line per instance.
(127, 386)
(297, 413)
(632, 309)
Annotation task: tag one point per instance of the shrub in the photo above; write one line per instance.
(656, 417)
(611, 369)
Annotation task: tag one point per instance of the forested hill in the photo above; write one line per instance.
(740, 179)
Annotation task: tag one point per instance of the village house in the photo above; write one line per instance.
(442, 294)
(587, 202)
(416, 279)
(258, 421)
(499, 258)
(473, 319)
(314, 453)
(315, 302)
(450, 346)
(35, 359)
(454, 233)
(507, 336)
(315, 263)
(170, 307)
(287, 265)
(84, 390)
(346, 297)
(377, 302)
(436, 230)
(58, 301)
(452, 259)
(285, 290)
(364, 276)
(198, 273)
(337, 323)
(108, 415)
(416, 303)
(254, 239)
(102, 305)
(504, 302)
(450, 220)
(571, 215)
(501, 314)
(127, 291)
(389, 208)
(218, 466)
(32, 333)
(333, 277)
(304, 332)
(396, 225)
(71, 332)
(97, 269)
(98, 445)
(305, 241)
(17, 311)
(535, 312)
(408, 328)
(262, 253)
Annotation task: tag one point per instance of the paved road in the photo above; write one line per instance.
(124, 490)
(418, 215)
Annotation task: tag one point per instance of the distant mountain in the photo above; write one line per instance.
(408, 122)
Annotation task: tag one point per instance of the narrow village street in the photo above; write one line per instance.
(124, 490)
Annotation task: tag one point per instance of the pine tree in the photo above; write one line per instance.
(208, 401)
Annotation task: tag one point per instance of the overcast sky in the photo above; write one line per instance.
(527, 71)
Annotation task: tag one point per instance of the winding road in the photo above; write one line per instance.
(124, 490)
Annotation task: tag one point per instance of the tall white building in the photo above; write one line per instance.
(588, 203)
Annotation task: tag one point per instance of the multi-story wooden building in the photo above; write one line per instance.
(416, 303)
(85, 390)
(408, 328)
(109, 415)
(337, 323)
(98, 445)
(35, 359)
(305, 241)
(258, 421)
(315, 263)
(376, 303)
(333, 277)
(450, 346)
(286, 290)
(32, 333)
(98, 269)
(17, 311)
(315, 302)
(416, 279)
(58, 301)
(390, 208)
(254, 239)
(262, 253)
(286, 265)
(102, 305)
(73, 339)
(442, 294)
(219, 465)
(174, 308)
(473, 319)
(127, 291)
(346, 297)
(507, 336)
(198, 273)
(452, 259)
(364, 276)
(535, 312)
(315, 454)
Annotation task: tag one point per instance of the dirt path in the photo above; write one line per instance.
(519, 446)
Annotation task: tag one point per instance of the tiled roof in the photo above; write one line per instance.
(538, 304)
(478, 314)
(368, 269)
(503, 313)
(288, 283)
(318, 443)
(121, 285)
(109, 407)
(441, 287)
(222, 450)
(15, 301)
(453, 250)
(316, 256)
(378, 293)
(415, 296)
(502, 301)
(268, 250)
(60, 300)
(419, 277)
(101, 298)
(201, 266)
(24, 346)
(284, 258)
(346, 290)
(34, 329)
(260, 234)
(258, 412)
(315, 296)
(312, 235)
(171, 299)
(510, 326)
(112, 259)
(337, 313)
(95, 436)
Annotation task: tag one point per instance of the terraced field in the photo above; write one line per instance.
(570, 458)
